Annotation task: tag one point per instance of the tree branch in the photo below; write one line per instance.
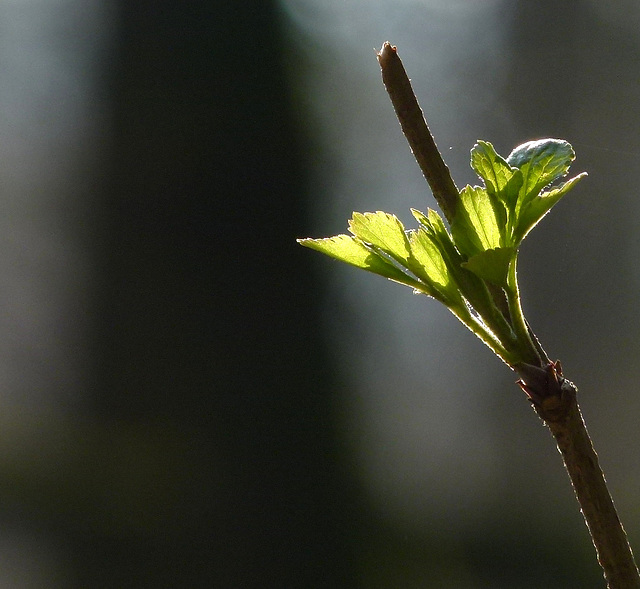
(416, 131)
(609, 538)
(555, 400)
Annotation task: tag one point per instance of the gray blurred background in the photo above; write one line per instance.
(190, 399)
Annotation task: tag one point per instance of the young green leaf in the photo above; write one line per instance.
(479, 221)
(428, 264)
(383, 231)
(434, 226)
(541, 162)
(356, 253)
(501, 180)
(437, 233)
(492, 265)
(539, 206)
(468, 284)
(471, 284)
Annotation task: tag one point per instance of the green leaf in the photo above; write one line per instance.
(539, 206)
(470, 284)
(479, 221)
(492, 265)
(356, 253)
(435, 229)
(501, 180)
(382, 230)
(434, 226)
(541, 162)
(424, 220)
(428, 264)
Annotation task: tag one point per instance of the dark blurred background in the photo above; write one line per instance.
(190, 399)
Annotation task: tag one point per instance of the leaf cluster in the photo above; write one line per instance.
(471, 268)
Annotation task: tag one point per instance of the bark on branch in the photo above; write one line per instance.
(414, 127)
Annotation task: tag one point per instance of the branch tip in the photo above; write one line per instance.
(415, 129)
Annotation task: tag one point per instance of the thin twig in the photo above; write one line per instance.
(609, 538)
(555, 400)
(416, 131)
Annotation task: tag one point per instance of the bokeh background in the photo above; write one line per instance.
(190, 399)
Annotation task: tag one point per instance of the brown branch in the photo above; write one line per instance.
(555, 401)
(416, 130)
(609, 538)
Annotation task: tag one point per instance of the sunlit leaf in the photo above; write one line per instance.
(539, 206)
(471, 285)
(429, 265)
(479, 221)
(541, 162)
(501, 180)
(353, 251)
(382, 230)
(434, 226)
(492, 264)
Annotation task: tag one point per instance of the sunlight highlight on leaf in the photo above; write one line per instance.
(353, 251)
